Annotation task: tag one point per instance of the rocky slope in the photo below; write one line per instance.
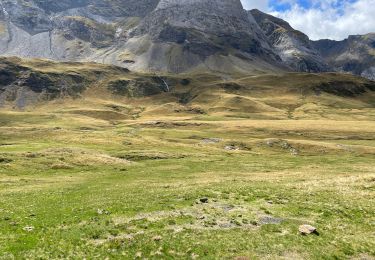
(355, 54)
(294, 47)
(145, 35)
(66, 29)
(200, 34)
(172, 36)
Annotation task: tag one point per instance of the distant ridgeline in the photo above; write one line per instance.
(173, 36)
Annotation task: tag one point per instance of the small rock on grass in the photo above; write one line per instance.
(28, 228)
(103, 212)
(307, 230)
(231, 148)
(203, 200)
(157, 238)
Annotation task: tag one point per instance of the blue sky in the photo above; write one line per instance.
(332, 19)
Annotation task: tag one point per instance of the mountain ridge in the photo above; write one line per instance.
(173, 36)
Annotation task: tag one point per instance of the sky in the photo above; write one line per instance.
(322, 19)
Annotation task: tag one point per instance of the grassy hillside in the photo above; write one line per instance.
(214, 168)
(37, 85)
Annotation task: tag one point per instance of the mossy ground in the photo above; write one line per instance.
(80, 186)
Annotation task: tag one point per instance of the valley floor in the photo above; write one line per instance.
(72, 186)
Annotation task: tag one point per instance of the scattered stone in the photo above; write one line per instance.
(31, 155)
(270, 220)
(285, 145)
(227, 207)
(294, 151)
(157, 238)
(226, 225)
(28, 228)
(231, 148)
(307, 230)
(103, 212)
(203, 200)
(270, 143)
(211, 140)
(128, 237)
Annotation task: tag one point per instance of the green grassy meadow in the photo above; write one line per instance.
(97, 162)
(75, 187)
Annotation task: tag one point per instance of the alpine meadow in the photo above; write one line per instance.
(182, 129)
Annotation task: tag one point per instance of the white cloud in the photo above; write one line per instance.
(326, 21)
(258, 4)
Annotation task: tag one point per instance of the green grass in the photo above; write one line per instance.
(106, 176)
(130, 189)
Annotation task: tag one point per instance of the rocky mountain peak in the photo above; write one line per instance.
(229, 7)
(193, 32)
(173, 36)
(214, 16)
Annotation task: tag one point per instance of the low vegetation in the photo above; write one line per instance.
(106, 175)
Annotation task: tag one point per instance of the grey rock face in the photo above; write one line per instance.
(63, 30)
(293, 46)
(199, 29)
(168, 35)
(369, 73)
(172, 36)
(110, 8)
(26, 16)
(355, 54)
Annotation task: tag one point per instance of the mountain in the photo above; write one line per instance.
(146, 35)
(355, 54)
(199, 34)
(176, 36)
(66, 29)
(293, 46)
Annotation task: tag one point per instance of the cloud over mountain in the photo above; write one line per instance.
(319, 19)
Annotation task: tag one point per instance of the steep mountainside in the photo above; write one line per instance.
(143, 35)
(355, 54)
(181, 35)
(173, 36)
(293, 46)
(66, 30)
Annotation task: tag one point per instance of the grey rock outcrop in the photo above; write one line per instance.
(294, 47)
(195, 34)
(146, 35)
(173, 36)
(355, 54)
